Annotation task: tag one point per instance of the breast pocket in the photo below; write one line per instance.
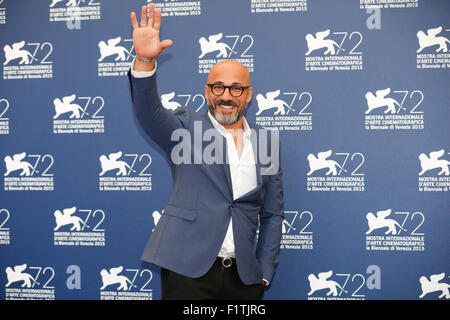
(183, 213)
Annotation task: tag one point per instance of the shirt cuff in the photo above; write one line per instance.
(141, 74)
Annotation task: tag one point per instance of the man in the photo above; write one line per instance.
(203, 241)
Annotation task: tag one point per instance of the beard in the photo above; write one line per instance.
(226, 119)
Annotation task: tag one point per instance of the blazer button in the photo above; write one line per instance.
(232, 204)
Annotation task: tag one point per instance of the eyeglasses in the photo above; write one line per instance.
(235, 90)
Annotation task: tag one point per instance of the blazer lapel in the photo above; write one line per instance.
(225, 167)
(224, 155)
(254, 139)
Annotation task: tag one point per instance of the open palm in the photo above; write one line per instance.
(146, 40)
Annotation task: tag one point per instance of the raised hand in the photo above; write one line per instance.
(147, 44)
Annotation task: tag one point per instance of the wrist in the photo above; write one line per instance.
(140, 65)
(145, 60)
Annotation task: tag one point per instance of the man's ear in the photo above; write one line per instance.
(249, 94)
(206, 91)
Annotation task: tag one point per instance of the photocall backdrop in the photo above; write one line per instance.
(358, 89)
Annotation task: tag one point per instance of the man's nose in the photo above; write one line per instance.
(226, 95)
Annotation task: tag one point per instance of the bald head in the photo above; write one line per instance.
(229, 69)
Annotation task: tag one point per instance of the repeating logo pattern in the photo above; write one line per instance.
(399, 110)
(4, 120)
(177, 8)
(2, 13)
(29, 172)
(30, 282)
(5, 231)
(331, 285)
(276, 6)
(173, 100)
(61, 113)
(220, 46)
(434, 286)
(343, 172)
(388, 4)
(72, 12)
(334, 51)
(125, 172)
(79, 227)
(395, 231)
(285, 111)
(28, 60)
(128, 284)
(71, 115)
(434, 173)
(115, 57)
(296, 234)
(433, 48)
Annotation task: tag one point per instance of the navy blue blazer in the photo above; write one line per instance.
(192, 228)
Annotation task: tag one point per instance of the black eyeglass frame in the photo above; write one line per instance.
(211, 85)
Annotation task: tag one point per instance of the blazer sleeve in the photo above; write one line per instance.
(155, 120)
(271, 219)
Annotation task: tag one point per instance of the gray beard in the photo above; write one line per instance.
(227, 120)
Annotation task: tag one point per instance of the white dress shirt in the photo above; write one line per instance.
(243, 175)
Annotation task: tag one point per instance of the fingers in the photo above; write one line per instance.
(157, 21)
(166, 43)
(144, 16)
(154, 17)
(134, 22)
(151, 15)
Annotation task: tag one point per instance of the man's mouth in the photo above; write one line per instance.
(226, 107)
(226, 111)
